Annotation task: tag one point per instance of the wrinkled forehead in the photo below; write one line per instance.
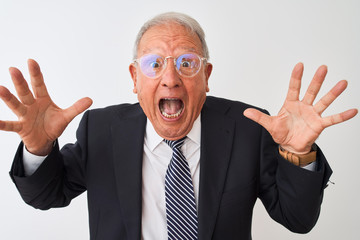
(171, 38)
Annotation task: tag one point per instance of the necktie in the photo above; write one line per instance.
(181, 214)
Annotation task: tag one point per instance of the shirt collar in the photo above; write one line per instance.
(152, 139)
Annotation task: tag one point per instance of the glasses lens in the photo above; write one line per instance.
(188, 64)
(151, 65)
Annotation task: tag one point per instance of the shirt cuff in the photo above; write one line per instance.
(310, 166)
(31, 162)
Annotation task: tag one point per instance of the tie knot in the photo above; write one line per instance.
(176, 143)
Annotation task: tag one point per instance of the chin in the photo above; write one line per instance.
(173, 132)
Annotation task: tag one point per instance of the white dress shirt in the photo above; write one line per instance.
(156, 158)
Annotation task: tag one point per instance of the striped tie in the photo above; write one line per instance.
(181, 214)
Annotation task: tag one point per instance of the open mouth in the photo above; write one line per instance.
(171, 107)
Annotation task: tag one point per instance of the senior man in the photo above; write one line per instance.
(179, 164)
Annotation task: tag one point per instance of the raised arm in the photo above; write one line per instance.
(40, 120)
(299, 123)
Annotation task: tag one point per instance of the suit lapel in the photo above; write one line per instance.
(217, 132)
(128, 141)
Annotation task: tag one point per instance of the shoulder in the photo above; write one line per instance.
(102, 117)
(230, 114)
(120, 110)
(228, 107)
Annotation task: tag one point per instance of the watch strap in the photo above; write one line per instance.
(300, 160)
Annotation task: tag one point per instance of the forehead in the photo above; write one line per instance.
(169, 39)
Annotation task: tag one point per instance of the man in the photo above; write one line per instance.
(121, 160)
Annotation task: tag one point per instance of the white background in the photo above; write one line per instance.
(85, 47)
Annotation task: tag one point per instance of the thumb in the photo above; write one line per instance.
(259, 117)
(77, 108)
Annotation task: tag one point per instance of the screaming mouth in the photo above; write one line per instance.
(171, 107)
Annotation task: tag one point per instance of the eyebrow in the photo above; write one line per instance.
(149, 50)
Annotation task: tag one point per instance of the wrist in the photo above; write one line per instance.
(42, 151)
(296, 151)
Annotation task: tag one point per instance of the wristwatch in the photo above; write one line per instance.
(300, 160)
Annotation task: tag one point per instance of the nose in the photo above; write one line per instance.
(170, 78)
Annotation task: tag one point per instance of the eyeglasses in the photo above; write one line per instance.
(153, 65)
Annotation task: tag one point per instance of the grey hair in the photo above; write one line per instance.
(184, 20)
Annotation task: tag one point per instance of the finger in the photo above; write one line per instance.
(295, 83)
(77, 108)
(326, 100)
(12, 102)
(339, 118)
(315, 85)
(37, 80)
(21, 86)
(259, 117)
(10, 126)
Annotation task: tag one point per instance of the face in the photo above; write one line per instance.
(171, 102)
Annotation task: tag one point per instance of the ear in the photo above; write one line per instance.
(208, 70)
(133, 73)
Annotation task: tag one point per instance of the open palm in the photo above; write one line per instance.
(299, 123)
(40, 121)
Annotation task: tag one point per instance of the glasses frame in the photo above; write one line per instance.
(202, 60)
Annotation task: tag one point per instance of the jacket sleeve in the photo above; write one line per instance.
(59, 179)
(291, 195)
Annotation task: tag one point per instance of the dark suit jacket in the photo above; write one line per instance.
(239, 163)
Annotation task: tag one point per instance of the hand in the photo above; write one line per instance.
(40, 121)
(299, 123)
